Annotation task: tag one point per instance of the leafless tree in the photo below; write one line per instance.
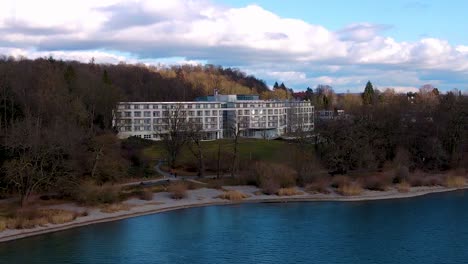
(175, 132)
(195, 137)
(39, 157)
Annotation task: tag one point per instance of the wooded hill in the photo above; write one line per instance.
(56, 116)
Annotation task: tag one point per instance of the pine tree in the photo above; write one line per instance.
(282, 86)
(368, 95)
(275, 86)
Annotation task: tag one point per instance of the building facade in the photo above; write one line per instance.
(218, 116)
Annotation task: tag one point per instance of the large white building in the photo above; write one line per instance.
(218, 116)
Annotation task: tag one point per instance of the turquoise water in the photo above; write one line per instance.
(429, 229)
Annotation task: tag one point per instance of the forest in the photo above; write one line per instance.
(56, 117)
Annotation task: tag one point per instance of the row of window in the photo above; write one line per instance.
(166, 113)
(168, 106)
(163, 120)
(279, 104)
(158, 128)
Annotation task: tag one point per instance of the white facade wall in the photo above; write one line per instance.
(258, 119)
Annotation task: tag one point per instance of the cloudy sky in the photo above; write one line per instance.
(401, 43)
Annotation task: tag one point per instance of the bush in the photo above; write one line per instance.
(403, 187)
(419, 178)
(433, 181)
(112, 208)
(146, 195)
(350, 189)
(340, 180)
(377, 182)
(55, 216)
(270, 186)
(291, 191)
(233, 195)
(318, 186)
(30, 218)
(416, 179)
(89, 193)
(178, 190)
(455, 181)
(401, 174)
(2, 224)
(270, 177)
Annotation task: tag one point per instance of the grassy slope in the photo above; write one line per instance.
(255, 149)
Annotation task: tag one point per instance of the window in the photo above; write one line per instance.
(147, 114)
(239, 112)
(199, 113)
(246, 112)
(146, 106)
(207, 113)
(137, 114)
(127, 114)
(127, 106)
(156, 114)
(147, 136)
(214, 113)
(270, 111)
(147, 121)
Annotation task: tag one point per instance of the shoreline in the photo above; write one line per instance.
(206, 197)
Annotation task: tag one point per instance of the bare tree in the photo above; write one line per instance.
(39, 157)
(175, 134)
(195, 137)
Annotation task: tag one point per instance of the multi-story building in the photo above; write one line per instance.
(218, 116)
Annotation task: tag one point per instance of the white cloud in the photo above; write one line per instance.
(250, 37)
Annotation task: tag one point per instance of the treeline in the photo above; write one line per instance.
(425, 131)
(56, 117)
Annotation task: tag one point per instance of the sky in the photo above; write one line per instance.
(399, 44)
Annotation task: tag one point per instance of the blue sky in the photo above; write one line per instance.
(399, 44)
(407, 20)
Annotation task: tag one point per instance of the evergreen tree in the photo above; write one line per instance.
(282, 86)
(309, 94)
(368, 95)
(275, 86)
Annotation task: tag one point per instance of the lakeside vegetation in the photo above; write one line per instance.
(57, 141)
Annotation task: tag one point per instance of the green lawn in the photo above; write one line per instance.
(254, 149)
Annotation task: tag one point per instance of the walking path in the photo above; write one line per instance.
(167, 177)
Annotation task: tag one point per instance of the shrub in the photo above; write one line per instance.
(455, 181)
(379, 182)
(403, 187)
(433, 181)
(289, 191)
(233, 195)
(270, 186)
(3, 224)
(146, 195)
(350, 189)
(319, 186)
(270, 177)
(340, 180)
(401, 174)
(416, 179)
(178, 190)
(89, 193)
(112, 208)
(59, 216)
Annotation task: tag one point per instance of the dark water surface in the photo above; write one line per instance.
(429, 229)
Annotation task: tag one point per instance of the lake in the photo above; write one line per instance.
(427, 229)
